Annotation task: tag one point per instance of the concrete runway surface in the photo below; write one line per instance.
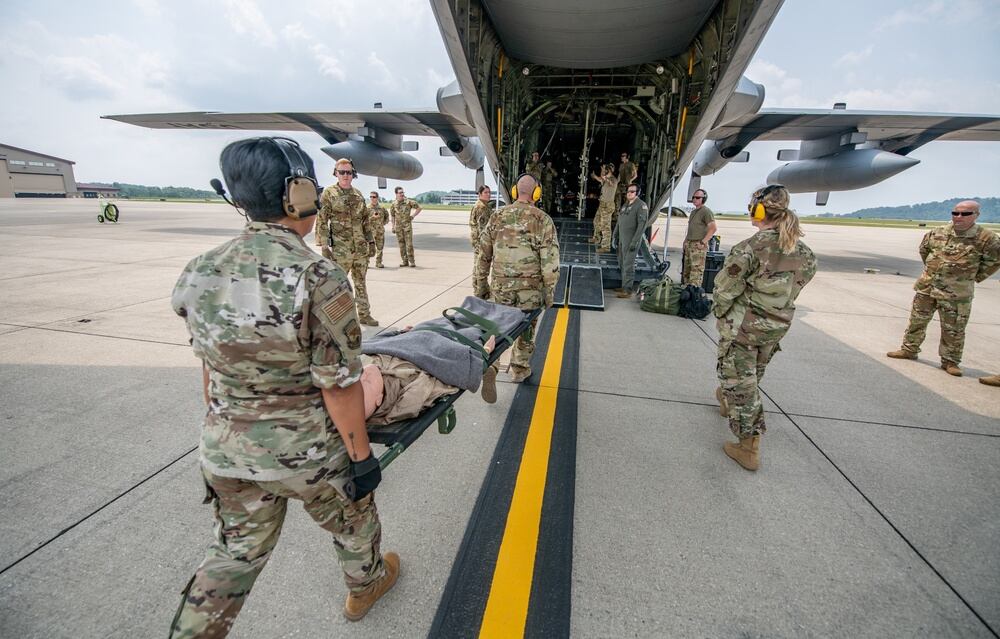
(876, 511)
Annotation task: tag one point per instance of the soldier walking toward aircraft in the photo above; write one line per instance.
(631, 225)
(285, 418)
(379, 218)
(402, 212)
(701, 228)
(478, 218)
(519, 245)
(605, 208)
(955, 257)
(754, 302)
(343, 231)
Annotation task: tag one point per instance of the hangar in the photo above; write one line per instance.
(25, 173)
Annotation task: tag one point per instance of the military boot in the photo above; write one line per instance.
(723, 404)
(622, 293)
(368, 320)
(489, 390)
(901, 354)
(951, 368)
(520, 375)
(359, 603)
(746, 453)
(990, 380)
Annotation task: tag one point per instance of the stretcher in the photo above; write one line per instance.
(399, 436)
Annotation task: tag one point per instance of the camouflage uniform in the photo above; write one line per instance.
(627, 172)
(548, 189)
(402, 222)
(273, 323)
(519, 243)
(605, 209)
(379, 218)
(535, 170)
(693, 270)
(953, 263)
(344, 234)
(754, 302)
(478, 218)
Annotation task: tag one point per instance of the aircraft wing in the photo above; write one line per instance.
(895, 131)
(334, 127)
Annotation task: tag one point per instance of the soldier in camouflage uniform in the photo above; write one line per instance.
(519, 244)
(627, 173)
(478, 218)
(402, 212)
(344, 233)
(379, 218)
(955, 256)
(534, 167)
(605, 208)
(548, 187)
(275, 327)
(754, 302)
(701, 228)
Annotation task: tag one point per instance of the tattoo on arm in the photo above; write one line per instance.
(353, 452)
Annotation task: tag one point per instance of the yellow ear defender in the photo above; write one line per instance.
(536, 193)
(756, 209)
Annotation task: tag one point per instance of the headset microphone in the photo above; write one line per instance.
(217, 185)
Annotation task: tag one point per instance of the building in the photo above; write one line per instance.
(460, 197)
(25, 173)
(97, 190)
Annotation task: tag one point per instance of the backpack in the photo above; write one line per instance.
(660, 296)
(693, 303)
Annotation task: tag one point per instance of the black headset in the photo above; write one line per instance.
(354, 171)
(704, 192)
(300, 198)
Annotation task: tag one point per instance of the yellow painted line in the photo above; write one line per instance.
(507, 606)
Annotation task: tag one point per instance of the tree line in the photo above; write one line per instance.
(167, 192)
(989, 210)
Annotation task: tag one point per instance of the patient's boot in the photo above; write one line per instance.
(746, 453)
(489, 389)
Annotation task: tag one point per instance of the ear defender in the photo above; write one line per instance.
(301, 192)
(536, 193)
(757, 210)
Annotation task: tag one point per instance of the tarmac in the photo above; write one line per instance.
(876, 511)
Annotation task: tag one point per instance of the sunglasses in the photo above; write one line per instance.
(963, 213)
(697, 197)
(631, 191)
(342, 172)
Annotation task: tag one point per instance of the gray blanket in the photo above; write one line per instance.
(453, 363)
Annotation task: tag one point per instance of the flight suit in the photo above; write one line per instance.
(631, 225)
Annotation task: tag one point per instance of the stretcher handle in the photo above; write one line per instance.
(474, 320)
(389, 455)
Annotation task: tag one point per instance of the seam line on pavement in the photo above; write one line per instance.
(95, 511)
(878, 510)
(85, 334)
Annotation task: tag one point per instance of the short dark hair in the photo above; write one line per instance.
(373, 193)
(255, 170)
(482, 187)
(398, 189)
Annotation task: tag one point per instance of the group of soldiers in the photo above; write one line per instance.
(350, 233)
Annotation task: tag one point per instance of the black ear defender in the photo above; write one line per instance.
(705, 193)
(300, 197)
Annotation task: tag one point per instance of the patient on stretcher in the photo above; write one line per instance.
(407, 371)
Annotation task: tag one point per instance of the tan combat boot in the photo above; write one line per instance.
(359, 603)
(723, 404)
(622, 293)
(901, 354)
(746, 453)
(990, 380)
(951, 368)
(368, 320)
(489, 389)
(519, 376)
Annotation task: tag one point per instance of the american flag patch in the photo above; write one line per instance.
(338, 307)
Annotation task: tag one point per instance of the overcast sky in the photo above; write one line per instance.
(64, 64)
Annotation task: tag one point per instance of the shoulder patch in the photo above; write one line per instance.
(338, 307)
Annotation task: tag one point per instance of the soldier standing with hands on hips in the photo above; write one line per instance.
(701, 228)
(402, 212)
(379, 218)
(343, 231)
(955, 256)
(519, 245)
(754, 302)
(277, 332)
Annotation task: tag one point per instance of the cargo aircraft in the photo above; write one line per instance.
(582, 80)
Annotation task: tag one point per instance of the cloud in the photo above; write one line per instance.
(382, 73)
(780, 88)
(245, 18)
(295, 32)
(328, 65)
(80, 78)
(956, 12)
(853, 58)
(149, 8)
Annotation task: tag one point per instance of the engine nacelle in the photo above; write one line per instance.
(372, 159)
(715, 154)
(468, 151)
(844, 171)
(747, 98)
